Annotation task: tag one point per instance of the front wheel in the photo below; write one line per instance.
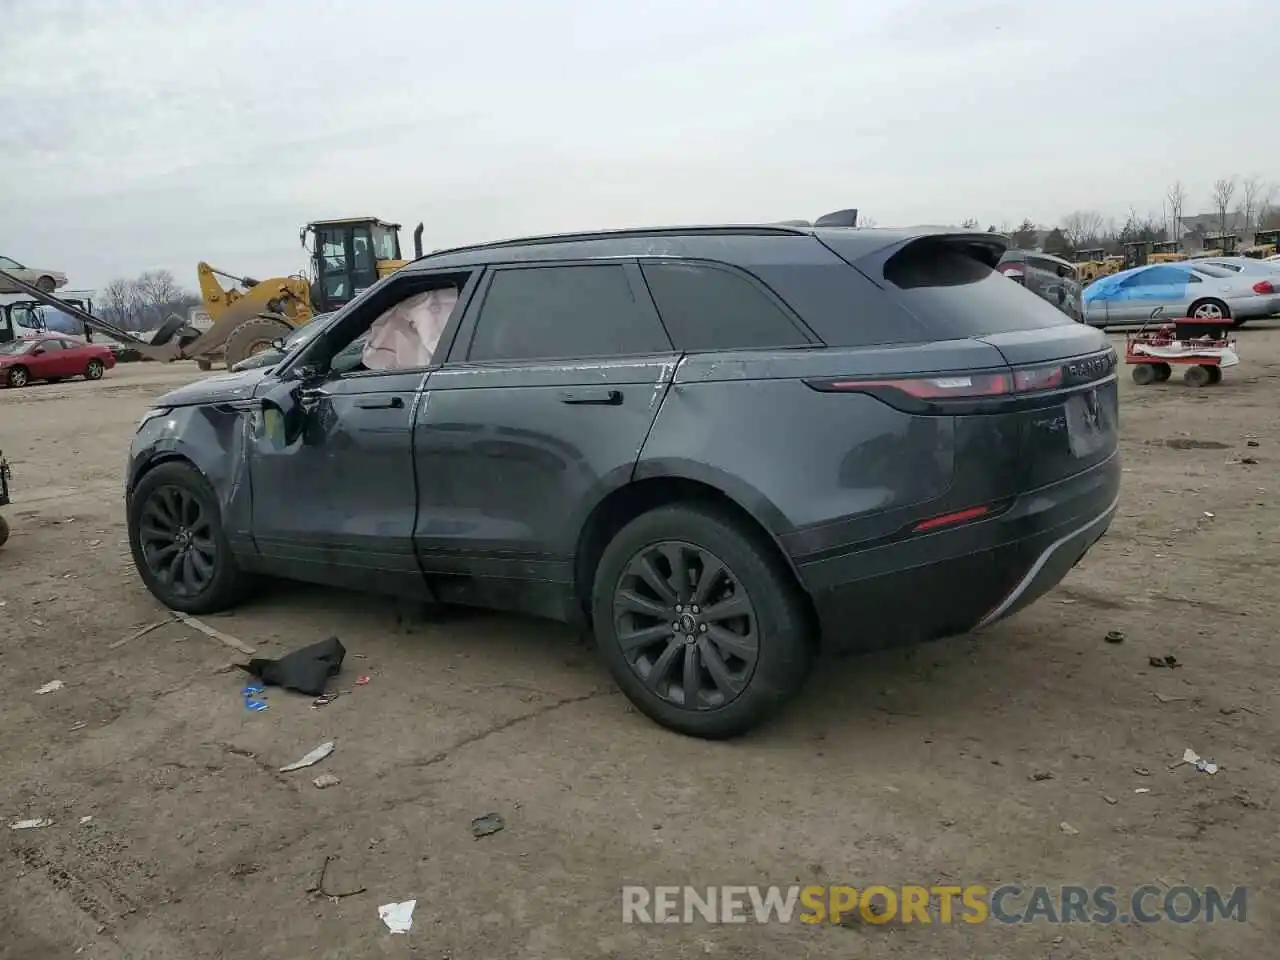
(46, 285)
(18, 377)
(4, 531)
(700, 622)
(178, 544)
(94, 370)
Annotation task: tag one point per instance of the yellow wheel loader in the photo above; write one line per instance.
(1265, 244)
(347, 257)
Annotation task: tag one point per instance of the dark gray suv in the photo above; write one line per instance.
(724, 447)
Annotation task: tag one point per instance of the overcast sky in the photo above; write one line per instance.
(139, 133)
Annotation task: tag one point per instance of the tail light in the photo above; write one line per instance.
(961, 387)
(1014, 272)
(1264, 286)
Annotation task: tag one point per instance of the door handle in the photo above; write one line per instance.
(603, 398)
(381, 403)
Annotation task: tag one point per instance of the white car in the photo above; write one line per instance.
(46, 280)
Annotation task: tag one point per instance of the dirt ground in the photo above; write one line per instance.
(923, 766)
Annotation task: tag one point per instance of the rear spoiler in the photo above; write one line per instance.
(870, 250)
(840, 218)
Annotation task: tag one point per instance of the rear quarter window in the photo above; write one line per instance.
(955, 295)
(707, 307)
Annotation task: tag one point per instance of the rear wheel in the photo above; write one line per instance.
(19, 377)
(1163, 372)
(178, 544)
(4, 531)
(1144, 373)
(254, 336)
(46, 285)
(1197, 376)
(699, 622)
(1215, 374)
(94, 370)
(1210, 310)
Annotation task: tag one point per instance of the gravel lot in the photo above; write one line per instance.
(922, 766)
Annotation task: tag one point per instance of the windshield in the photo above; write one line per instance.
(16, 346)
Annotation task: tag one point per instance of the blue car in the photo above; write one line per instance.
(1170, 290)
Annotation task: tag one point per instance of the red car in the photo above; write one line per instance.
(52, 358)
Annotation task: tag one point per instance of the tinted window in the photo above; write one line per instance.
(1158, 276)
(1213, 270)
(958, 296)
(50, 345)
(710, 308)
(544, 313)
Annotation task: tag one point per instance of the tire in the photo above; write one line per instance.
(254, 336)
(1163, 372)
(46, 285)
(1209, 309)
(1197, 376)
(19, 377)
(155, 498)
(1144, 373)
(1215, 374)
(4, 531)
(94, 370)
(204, 364)
(777, 623)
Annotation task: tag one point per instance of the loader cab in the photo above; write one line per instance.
(348, 257)
(1220, 245)
(1136, 254)
(1265, 244)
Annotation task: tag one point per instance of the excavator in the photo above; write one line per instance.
(346, 257)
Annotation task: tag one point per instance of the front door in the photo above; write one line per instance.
(544, 404)
(335, 504)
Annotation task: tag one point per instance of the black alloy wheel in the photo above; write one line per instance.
(177, 540)
(686, 625)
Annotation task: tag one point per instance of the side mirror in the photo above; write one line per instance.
(279, 344)
(37, 351)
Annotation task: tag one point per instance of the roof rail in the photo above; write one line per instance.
(625, 233)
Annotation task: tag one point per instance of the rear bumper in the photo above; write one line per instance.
(954, 581)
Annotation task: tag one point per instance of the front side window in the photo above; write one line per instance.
(385, 245)
(560, 312)
(7, 264)
(48, 346)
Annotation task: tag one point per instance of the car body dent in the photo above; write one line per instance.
(212, 437)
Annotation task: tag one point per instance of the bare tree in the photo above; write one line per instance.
(1175, 197)
(1082, 228)
(157, 290)
(1251, 198)
(1223, 190)
(1024, 238)
(119, 303)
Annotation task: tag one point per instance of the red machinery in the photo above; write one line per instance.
(1204, 347)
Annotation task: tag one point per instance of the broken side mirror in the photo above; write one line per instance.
(279, 344)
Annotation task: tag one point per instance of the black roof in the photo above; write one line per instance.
(673, 241)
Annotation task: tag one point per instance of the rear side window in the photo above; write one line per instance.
(547, 313)
(956, 295)
(709, 308)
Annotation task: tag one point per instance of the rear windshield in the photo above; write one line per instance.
(957, 296)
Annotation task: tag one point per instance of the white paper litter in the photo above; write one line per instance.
(30, 824)
(84, 820)
(398, 916)
(314, 757)
(1197, 761)
(51, 686)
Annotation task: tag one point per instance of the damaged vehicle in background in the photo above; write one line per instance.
(1048, 277)
(725, 448)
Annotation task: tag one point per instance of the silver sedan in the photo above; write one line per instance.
(44, 279)
(1171, 290)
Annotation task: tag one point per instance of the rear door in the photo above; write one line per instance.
(548, 393)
